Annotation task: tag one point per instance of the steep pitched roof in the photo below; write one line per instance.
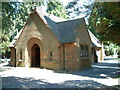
(95, 41)
(63, 29)
(67, 30)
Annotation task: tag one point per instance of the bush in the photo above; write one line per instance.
(110, 52)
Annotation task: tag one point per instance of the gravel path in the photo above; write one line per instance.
(101, 75)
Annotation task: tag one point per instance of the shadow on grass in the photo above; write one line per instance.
(8, 65)
(108, 64)
(95, 72)
(99, 70)
(17, 82)
(5, 67)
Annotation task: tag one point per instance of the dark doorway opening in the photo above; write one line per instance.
(95, 57)
(35, 56)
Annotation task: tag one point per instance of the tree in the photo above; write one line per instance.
(7, 12)
(56, 8)
(14, 16)
(73, 9)
(105, 20)
(79, 8)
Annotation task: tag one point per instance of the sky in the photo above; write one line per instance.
(64, 1)
(67, 1)
(80, 3)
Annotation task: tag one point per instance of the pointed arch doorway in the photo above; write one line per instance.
(35, 56)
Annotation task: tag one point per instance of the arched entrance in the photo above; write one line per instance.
(35, 56)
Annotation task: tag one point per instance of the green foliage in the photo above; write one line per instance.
(56, 8)
(7, 18)
(110, 52)
(4, 47)
(105, 21)
(110, 47)
(7, 24)
(73, 9)
(14, 16)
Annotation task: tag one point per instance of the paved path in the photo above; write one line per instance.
(101, 75)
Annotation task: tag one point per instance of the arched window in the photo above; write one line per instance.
(84, 51)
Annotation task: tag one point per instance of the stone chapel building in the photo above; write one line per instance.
(47, 41)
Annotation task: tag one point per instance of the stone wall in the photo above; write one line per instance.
(64, 56)
(73, 61)
(12, 49)
(36, 32)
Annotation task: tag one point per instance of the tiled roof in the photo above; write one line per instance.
(63, 29)
(95, 41)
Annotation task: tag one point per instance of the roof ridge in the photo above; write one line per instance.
(70, 20)
(53, 17)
